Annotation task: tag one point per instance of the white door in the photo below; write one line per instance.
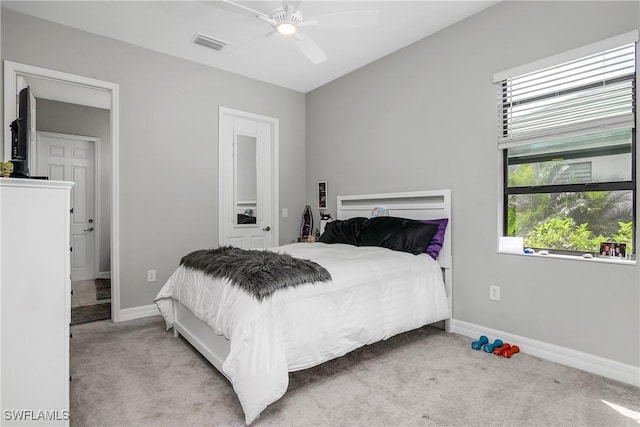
(248, 180)
(71, 158)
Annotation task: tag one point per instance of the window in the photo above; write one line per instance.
(568, 137)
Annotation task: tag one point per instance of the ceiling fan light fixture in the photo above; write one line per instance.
(286, 28)
(286, 20)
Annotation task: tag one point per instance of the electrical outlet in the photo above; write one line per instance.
(494, 293)
(151, 276)
(285, 213)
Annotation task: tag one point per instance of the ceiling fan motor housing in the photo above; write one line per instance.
(280, 15)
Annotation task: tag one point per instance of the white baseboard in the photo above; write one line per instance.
(587, 362)
(104, 275)
(138, 312)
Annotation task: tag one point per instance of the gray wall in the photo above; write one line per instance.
(168, 141)
(424, 118)
(72, 119)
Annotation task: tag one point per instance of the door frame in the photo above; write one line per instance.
(275, 156)
(96, 186)
(112, 90)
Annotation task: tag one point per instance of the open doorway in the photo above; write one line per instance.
(61, 94)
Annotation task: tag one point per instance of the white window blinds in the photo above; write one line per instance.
(578, 97)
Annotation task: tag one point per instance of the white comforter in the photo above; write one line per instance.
(375, 293)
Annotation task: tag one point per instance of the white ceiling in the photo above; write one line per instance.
(170, 27)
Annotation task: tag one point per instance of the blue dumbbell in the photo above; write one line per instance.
(477, 345)
(489, 347)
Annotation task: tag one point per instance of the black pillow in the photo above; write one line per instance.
(347, 231)
(399, 234)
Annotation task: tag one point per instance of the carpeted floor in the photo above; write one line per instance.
(137, 374)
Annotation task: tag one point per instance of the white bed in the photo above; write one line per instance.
(255, 344)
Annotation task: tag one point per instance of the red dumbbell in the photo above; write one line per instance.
(500, 350)
(513, 350)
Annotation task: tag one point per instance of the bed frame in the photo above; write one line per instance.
(414, 205)
(433, 204)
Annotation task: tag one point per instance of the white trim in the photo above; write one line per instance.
(576, 359)
(103, 275)
(11, 71)
(580, 258)
(14, 69)
(581, 52)
(275, 179)
(139, 312)
(115, 203)
(499, 199)
(67, 136)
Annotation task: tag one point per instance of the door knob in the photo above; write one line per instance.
(89, 229)
(267, 228)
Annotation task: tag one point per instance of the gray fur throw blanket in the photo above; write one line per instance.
(258, 272)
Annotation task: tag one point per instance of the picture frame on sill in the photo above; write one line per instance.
(613, 250)
(322, 194)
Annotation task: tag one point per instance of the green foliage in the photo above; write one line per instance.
(625, 235)
(564, 233)
(576, 221)
(561, 233)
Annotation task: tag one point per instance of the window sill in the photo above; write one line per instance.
(574, 258)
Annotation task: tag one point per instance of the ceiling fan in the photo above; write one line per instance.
(287, 19)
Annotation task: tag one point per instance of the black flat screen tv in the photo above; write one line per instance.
(20, 136)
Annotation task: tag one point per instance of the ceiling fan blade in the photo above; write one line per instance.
(248, 45)
(353, 19)
(254, 12)
(308, 23)
(267, 20)
(309, 48)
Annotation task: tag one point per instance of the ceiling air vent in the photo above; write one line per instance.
(210, 42)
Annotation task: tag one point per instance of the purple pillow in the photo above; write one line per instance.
(433, 249)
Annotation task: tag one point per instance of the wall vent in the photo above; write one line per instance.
(210, 42)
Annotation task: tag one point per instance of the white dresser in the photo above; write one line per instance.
(35, 301)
